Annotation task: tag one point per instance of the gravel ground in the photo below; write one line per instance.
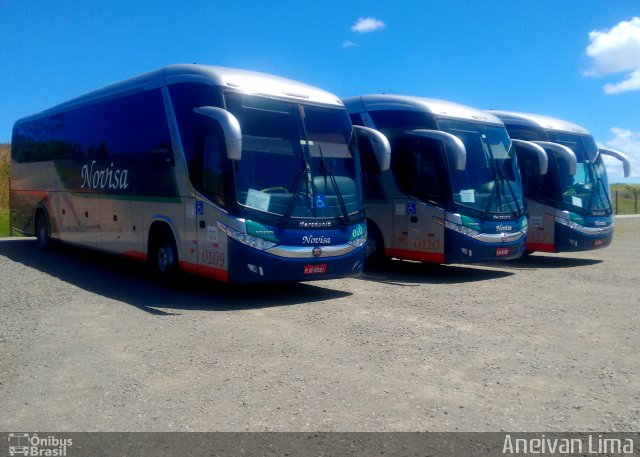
(89, 342)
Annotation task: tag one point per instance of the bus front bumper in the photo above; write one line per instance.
(569, 239)
(249, 265)
(463, 249)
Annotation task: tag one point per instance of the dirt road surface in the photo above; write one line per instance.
(89, 342)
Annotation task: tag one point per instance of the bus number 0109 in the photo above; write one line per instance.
(214, 258)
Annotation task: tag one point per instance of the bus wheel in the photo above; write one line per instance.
(374, 247)
(42, 231)
(164, 256)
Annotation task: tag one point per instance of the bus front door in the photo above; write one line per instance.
(211, 243)
(418, 233)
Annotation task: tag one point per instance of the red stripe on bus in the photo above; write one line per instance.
(432, 257)
(135, 255)
(541, 247)
(208, 272)
(39, 193)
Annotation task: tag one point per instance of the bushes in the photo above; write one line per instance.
(5, 150)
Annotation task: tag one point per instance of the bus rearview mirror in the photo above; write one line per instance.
(621, 157)
(379, 143)
(454, 145)
(230, 128)
(540, 153)
(564, 152)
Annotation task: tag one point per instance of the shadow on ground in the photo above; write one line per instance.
(535, 261)
(129, 282)
(402, 272)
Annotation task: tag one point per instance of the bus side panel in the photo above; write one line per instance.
(212, 249)
(88, 209)
(379, 211)
(116, 225)
(426, 236)
(32, 186)
(417, 235)
(399, 241)
(171, 214)
(66, 216)
(189, 261)
(541, 234)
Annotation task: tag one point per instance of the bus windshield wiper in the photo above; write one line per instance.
(502, 178)
(598, 191)
(305, 173)
(332, 178)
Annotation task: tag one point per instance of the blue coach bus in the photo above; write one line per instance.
(230, 174)
(569, 206)
(452, 193)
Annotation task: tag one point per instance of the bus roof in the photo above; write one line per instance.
(544, 122)
(378, 102)
(246, 81)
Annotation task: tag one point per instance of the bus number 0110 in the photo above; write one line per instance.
(426, 245)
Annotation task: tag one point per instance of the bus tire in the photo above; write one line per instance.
(164, 256)
(374, 247)
(43, 232)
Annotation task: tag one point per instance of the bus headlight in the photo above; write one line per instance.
(471, 233)
(244, 238)
(568, 223)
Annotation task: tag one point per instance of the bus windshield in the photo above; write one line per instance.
(491, 180)
(298, 161)
(588, 189)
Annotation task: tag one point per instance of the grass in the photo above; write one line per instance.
(627, 195)
(4, 189)
(4, 222)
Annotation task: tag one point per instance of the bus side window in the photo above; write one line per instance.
(537, 186)
(417, 167)
(370, 171)
(206, 166)
(427, 182)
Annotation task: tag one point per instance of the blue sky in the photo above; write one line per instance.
(576, 59)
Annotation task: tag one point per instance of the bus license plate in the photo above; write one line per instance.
(315, 269)
(502, 252)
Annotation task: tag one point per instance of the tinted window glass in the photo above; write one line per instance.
(418, 168)
(120, 145)
(402, 119)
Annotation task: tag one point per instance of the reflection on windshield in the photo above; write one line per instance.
(491, 180)
(588, 189)
(287, 149)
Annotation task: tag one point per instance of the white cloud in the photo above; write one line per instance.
(629, 84)
(349, 44)
(627, 142)
(367, 24)
(614, 51)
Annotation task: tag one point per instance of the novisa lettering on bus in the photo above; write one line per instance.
(310, 239)
(104, 178)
